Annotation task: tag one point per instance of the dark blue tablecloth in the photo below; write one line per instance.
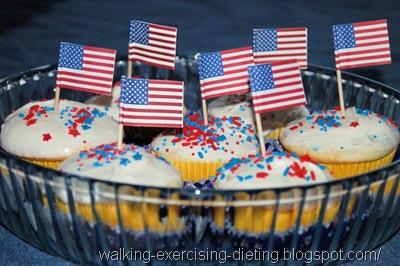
(31, 31)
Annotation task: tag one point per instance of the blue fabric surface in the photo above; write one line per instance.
(31, 32)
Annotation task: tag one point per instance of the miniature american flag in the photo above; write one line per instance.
(85, 68)
(276, 85)
(152, 44)
(151, 103)
(361, 44)
(280, 44)
(225, 72)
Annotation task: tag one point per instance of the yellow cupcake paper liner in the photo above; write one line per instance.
(195, 170)
(341, 171)
(274, 133)
(259, 219)
(135, 215)
(49, 164)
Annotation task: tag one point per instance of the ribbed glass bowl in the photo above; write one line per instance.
(199, 226)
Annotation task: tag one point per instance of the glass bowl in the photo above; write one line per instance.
(204, 225)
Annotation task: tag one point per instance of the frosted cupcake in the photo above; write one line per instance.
(130, 165)
(107, 104)
(276, 170)
(349, 145)
(241, 105)
(197, 150)
(37, 134)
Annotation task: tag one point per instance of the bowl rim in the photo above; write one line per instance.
(365, 178)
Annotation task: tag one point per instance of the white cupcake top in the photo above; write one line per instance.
(131, 164)
(222, 139)
(36, 131)
(274, 170)
(327, 136)
(241, 105)
(106, 103)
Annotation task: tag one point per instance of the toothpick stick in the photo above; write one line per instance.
(56, 99)
(120, 136)
(260, 134)
(339, 81)
(205, 112)
(129, 69)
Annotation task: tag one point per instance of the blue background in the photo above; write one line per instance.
(31, 32)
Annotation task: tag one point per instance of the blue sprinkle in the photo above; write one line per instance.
(97, 164)
(285, 173)
(86, 127)
(124, 161)
(200, 155)
(21, 115)
(137, 156)
(260, 166)
(248, 177)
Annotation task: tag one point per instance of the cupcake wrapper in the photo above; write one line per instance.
(49, 164)
(135, 216)
(274, 133)
(195, 171)
(341, 171)
(260, 219)
(245, 240)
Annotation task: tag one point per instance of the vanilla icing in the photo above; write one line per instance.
(131, 164)
(274, 170)
(241, 105)
(106, 103)
(222, 139)
(36, 131)
(329, 137)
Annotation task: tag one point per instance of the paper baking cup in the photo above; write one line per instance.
(135, 215)
(196, 170)
(345, 170)
(49, 164)
(256, 219)
(274, 133)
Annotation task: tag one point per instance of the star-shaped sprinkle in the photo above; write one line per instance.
(354, 124)
(46, 137)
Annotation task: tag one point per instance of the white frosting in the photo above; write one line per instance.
(241, 105)
(221, 140)
(106, 103)
(330, 138)
(36, 131)
(275, 170)
(130, 165)
(278, 170)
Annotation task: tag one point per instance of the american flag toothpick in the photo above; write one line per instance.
(224, 73)
(358, 45)
(275, 86)
(151, 44)
(84, 68)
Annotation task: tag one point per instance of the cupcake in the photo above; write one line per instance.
(241, 105)
(197, 150)
(106, 103)
(127, 166)
(272, 171)
(358, 142)
(275, 198)
(37, 134)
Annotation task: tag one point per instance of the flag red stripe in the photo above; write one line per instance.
(61, 73)
(95, 84)
(101, 57)
(151, 117)
(278, 93)
(283, 106)
(287, 99)
(149, 110)
(164, 104)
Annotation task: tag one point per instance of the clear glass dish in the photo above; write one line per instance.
(355, 214)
